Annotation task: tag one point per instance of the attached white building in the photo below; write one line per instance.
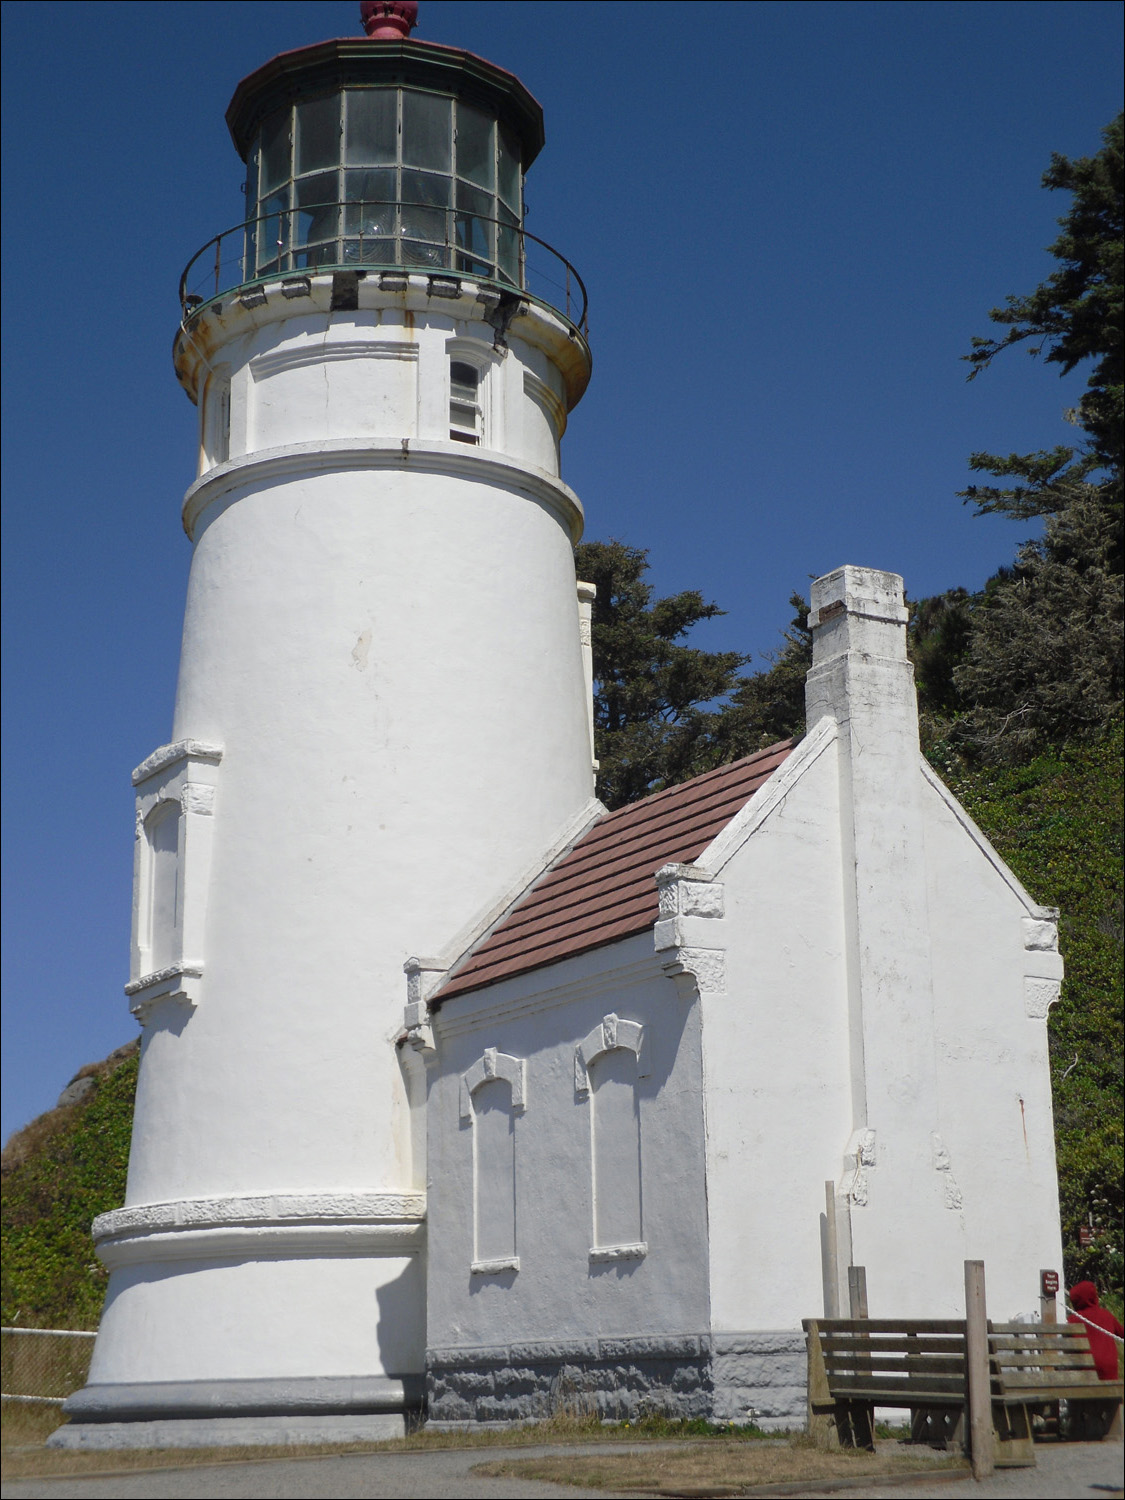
(806, 966)
(594, 1156)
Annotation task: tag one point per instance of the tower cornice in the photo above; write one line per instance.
(410, 454)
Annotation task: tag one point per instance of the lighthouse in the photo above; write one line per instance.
(382, 721)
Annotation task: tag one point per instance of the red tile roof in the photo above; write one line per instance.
(603, 889)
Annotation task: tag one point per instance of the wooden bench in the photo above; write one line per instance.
(1035, 1365)
(856, 1365)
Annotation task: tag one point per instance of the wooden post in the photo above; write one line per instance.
(830, 1254)
(821, 1407)
(857, 1291)
(862, 1413)
(977, 1374)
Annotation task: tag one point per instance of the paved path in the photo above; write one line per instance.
(1071, 1471)
(1064, 1471)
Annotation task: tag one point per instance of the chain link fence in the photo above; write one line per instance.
(42, 1366)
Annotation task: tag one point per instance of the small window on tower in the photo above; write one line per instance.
(215, 446)
(464, 402)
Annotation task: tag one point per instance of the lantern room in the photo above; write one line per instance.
(384, 152)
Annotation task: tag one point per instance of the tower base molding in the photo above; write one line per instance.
(232, 1432)
(223, 1413)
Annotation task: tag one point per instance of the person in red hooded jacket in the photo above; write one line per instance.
(1099, 1323)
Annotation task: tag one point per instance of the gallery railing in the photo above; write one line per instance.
(384, 236)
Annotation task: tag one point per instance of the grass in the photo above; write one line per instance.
(708, 1451)
(714, 1468)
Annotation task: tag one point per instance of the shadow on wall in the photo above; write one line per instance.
(400, 1327)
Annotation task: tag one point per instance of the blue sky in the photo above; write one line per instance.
(791, 219)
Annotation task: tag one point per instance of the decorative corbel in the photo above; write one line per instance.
(423, 975)
(684, 937)
(1043, 965)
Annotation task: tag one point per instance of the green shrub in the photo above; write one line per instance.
(66, 1168)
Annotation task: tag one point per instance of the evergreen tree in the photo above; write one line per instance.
(650, 690)
(1044, 664)
(1076, 315)
(766, 706)
(1044, 658)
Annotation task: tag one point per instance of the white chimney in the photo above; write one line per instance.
(894, 1176)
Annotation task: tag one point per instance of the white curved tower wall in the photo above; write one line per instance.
(382, 720)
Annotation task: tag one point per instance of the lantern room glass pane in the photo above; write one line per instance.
(427, 129)
(318, 215)
(425, 187)
(416, 254)
(273, 231)
(374, 251)
(318, 133)
(275, 151)
(316, 255)
(475, 155)
(370, 198)
(509, 170)
(474, 210)
(508, 245)
(425, 223)
(419, 220)
(371, 126)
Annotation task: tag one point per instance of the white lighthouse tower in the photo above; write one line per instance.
(382, 719)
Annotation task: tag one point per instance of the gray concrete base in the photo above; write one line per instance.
(228, 1432)
(729, 1377)
(207, 1413)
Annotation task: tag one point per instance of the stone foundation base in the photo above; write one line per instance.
(744, 1377)
(759, 1378)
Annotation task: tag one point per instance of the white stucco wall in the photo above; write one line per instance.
(390, 728)
(281, 1317)
(560, 1292)
(994, 1077)
(382, 658)
(775, 1056)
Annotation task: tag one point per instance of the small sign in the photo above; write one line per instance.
(1048, 1283)
(1085, 1236)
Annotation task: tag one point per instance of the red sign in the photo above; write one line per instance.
(1085, 1236)
(1048, 1283)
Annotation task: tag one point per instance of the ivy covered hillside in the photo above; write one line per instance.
(58, 1173)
